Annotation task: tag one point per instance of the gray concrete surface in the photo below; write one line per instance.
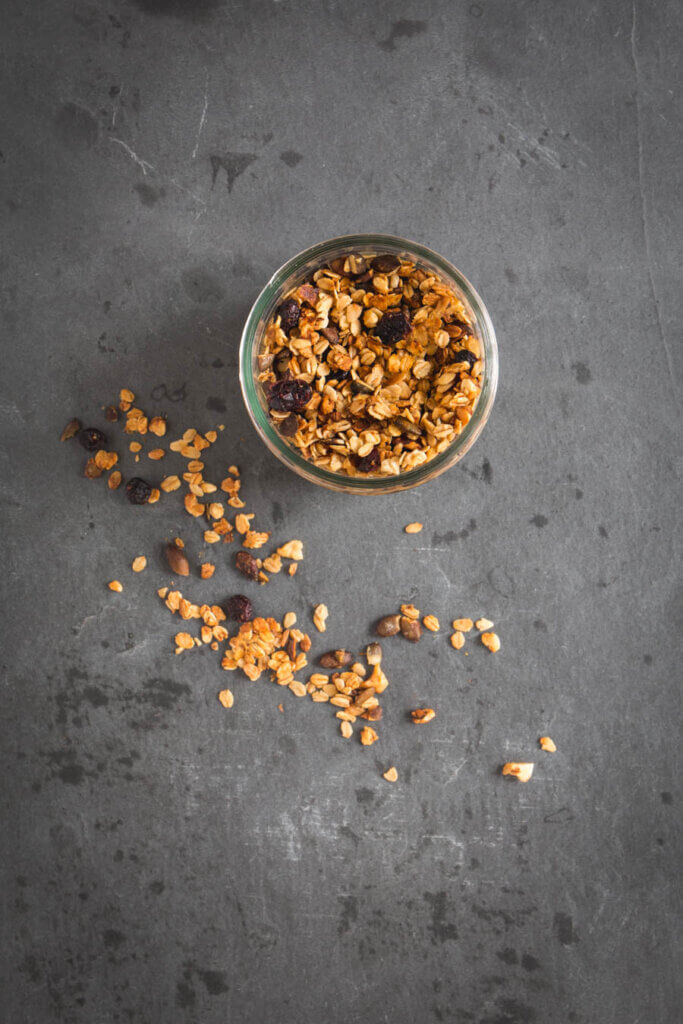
(165, 860)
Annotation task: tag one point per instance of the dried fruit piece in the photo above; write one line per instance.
(92, 439)
(483, 623)
(226, 698)
(491, 641)
(206, 570)
(464, 625)
(288, 427)
(115, 586)
(114, 480)
(421, 716)
(373, 653)
(239, 608)
(336, 659)
(391, 775)
(385, 264)
(92, 470)
(411, 629)
(520, 770)
(289, 395)
(368, 736)
(546, 743)
(111, 414)
(431, 623)
(70, 430)
(138, 491)
(458, 640)
(393, 327)
(177, 560)
(139, 563)
(388, 626)
(289, 312)
(320, 613)
(413, 527)
(247, 565)
(373, 714)
(368, 463)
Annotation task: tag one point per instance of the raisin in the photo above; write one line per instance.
(138, 491)
(393, 327)
(111, 414)
(238, 607)
(289, 395)
(247, 565)
(465, 356)
(368, 463)
(92, 439)
(281, 362)
(289, 427)
(70, 430)
(385, 264)
(331, 334)
(289, 313)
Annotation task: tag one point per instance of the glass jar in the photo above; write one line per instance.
(293, 273)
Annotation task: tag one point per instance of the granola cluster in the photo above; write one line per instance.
(371, 367)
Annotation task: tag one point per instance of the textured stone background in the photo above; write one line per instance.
(165, 860)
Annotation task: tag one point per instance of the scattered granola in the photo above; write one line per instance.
(70, 430)
(239, 608)
(388, 626)
(368, 736)
(458, 640)
(522, 771)
(491, 641)
(114, 480)
(115, 586)
(421, 716)
(410, 611)
(464, 625)
(176, 559)
(413, 527)
(320, 613)
(391, 775)
(226, 698)
(206, 570)
(431, 623)
(546, 743)
(139, 563)
(483, 624)
(410, 629)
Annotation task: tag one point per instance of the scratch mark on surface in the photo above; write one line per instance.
(144, 165)
(643, 205)
(116, 108)
(202, 119)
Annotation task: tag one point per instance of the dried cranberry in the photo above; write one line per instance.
(289, 395)
(338, 375)
(368, 463)
(247, 565)
(92, 439)
(461, 324)
(289, 427)
(385, 264)
(393, 326)
(238, 607)
(138, 491)
(289, 313)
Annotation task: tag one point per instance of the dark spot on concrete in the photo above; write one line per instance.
(564, 929)
(201, 286)
(562, 816)
(215, 404)
(22, 881)
(148, 194)
(29, 967)
(76, 127)
(602, 530)
(106, 306)
(156, 888)
(234, 164)
(530, 963)
(647, 658)
(277, 513)
(287, 744)
(113, 938)
(660, 841)
(348, 833)
(475, 10)
(487, 471)
(510, 274)
(95, 696)
(403, 29)
(510, 1011)
(349, 913)
(578, 494)
(218, 364)
(539, 520)
(164, 693)
(241, 267)
(291, 157)
(178, 394)
(666, 797)
(214, 981)
(185, 995)
(508, 955)
(441, 930)
(118, 856)
(365, 796)
(540, 624)
(186, 10)
(582, 373)
(452, 535)
(474, 863)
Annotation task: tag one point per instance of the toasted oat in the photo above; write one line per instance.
(483, 623)
(105, 460)
(410, 611)
(114, 480)
(273, 563)
(289, 620)
(242, 521)
(320, 613)
(491, 641)
(226, 698)
(413, 527)
(216, 510)
(520, 770)
(126, 395)
(391, 775)
(206, 570)
(135, 446)
(297, 688)
(368, 736)
(170, 483)
(546, 743)
(254, 540)
(154, 496)
(139, 563)
(464, 625)
(292, 569)
(292, 549)
(156, 454)
(184, 641)
(115, 586)
(431, 623)
(157, 425)
(421, 716)
(194, 507)
(346, 729)
(458, 640)
(211, 537)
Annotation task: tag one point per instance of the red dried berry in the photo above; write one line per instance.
(138, 491)
(289, 395)
(92, 439)
(289, 313)
(368, 463)
(247, 565)
(239, 608)
(393, 327)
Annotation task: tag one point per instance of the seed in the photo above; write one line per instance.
(336, 659)
(547, 744)
(226, 698)
(139, 563)
(520, 770)
(411, 629)
(70, 430)
(346, 730)
(464, 625)
(91, 438)
(388, 626)
(239, 608)
(289, 620)
(289, 426)
(177, 560)
(391, 775)
(373, 653)
(114, 480)
(247, 565)
(368, 736)
(491, 641)
(422, 715)
(483, 623)
(115, 586)
(458, 640)
(320, 613)
(431, 623)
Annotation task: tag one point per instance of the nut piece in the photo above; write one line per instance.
(547, 744)
(522, 771)
(491, 641)
(422, 715)
(483, 623)
(388, 626)
(206, 570)
(70, 430)
(139, 563)
(177, 560)
(458, 640)
(373, 653)
(226, 698)
(115, 586)
(346, 730)
(336, 659)
(391, 775)
(411, 629)
(464, 625)
(431, 623)
(368, 736)
(413, 527)
(320, 613)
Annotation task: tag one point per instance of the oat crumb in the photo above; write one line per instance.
(139, 563)
(391, 775)
(483, 623)
(226, 698)
(320, 613)
(464, 625)
(413, 527)
(115, 586)
(491, 641)
(522, 771)
(546, 743)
